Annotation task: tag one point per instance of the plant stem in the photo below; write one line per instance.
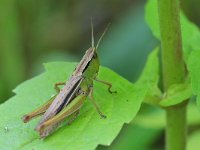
(173, 71)
(176, 127)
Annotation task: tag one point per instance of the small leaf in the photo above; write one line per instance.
(87, 131)
(150, 77)
(176, 94)
(194, 70)
(151, 17)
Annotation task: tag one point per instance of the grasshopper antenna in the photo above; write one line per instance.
(102, 35)
(92, 32)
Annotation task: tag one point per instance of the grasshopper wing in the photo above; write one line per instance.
(84, 62)
(63, 98)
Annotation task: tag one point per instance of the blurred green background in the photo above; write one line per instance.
(33, 32)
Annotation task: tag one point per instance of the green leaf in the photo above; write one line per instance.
(151, 17)
(190, 32)
(150, 77)
(194, 70)
(87, 131)
(176, 94)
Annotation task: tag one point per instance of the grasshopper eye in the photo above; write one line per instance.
(79, 91)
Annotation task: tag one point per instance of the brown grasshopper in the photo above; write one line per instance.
(71, 97)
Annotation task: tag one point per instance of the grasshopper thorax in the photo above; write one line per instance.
(92, 67)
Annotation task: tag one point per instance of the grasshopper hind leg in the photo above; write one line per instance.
(41, 110)
(48, 129)
(50, 125)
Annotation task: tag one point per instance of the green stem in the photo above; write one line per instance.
(176, 127)
(173, 71)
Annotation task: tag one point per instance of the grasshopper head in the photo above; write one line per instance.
(92, 67)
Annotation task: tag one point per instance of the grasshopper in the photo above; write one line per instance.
(69, 100)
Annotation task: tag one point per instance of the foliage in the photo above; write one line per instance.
(84, 133)
(88, 130)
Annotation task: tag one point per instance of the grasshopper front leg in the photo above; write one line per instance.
(56, 86)
(41, 110)
(106, 83)
(94, 103)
